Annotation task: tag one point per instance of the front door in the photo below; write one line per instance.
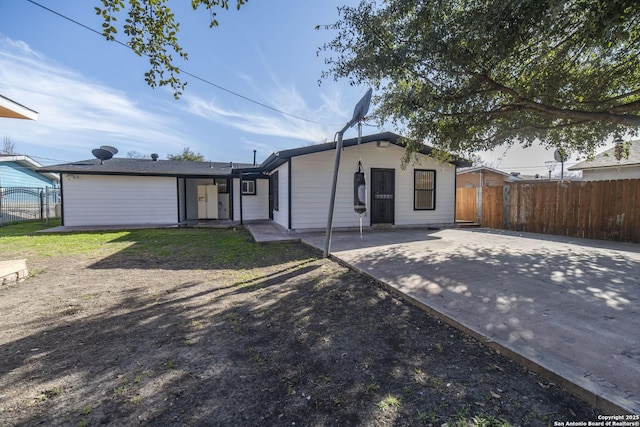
(382, 196)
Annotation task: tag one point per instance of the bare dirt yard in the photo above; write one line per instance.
(203, 327)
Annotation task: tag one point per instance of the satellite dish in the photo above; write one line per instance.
(113, 150)
(560, 155)
(101, 154)
(362, 107)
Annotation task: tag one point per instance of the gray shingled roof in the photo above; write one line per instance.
(607, 159)
(279, 158)
(123, 166)
(148, 167)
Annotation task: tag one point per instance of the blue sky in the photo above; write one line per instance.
(91, 92)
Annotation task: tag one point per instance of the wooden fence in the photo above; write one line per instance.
(466, 204)
(605, 210)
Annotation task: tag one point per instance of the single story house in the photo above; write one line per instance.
(22, 171)
(123, 191)
(291, 187)
(25, 192)
(483, 176)
(604, 166)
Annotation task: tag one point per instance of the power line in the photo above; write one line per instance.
(203, 80)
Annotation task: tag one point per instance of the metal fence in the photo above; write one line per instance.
(20, 204)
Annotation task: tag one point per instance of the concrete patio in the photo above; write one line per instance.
(566, 308)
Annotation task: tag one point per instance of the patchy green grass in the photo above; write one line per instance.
(22, 240)
(390, 402)
(204, 247)
(26, 228)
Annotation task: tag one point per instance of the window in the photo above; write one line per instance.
(249, 187)
(424, 189)
(222, 185)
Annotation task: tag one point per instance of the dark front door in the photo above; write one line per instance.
(382, 196)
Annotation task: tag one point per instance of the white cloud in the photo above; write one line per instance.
(318, 127)
(271, 124)
(75, 113)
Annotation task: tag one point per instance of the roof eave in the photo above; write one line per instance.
(583, 168)
(12, 110)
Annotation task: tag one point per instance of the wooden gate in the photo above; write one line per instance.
(466, 207)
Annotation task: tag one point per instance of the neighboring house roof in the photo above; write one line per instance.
(607, 159)
(281, 157)
(29, 163)
(12, 110)
(148, 167)
(511, 176)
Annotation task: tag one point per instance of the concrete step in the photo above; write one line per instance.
(13, 271)
(467, 224)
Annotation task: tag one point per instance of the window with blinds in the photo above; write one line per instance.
(424, 189)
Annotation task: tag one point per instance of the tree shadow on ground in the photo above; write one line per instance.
(197, 248)
(538, 299)
(306, 342)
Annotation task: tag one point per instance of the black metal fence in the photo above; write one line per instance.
(19, 204)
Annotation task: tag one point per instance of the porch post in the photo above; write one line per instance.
(240, 195)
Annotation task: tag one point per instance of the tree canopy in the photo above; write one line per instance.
(152, 31)
(470, 75)
(187, 154)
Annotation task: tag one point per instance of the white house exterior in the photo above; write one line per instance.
(152, 192)
(118, 200)
(304, 177)
(253, 205)
(291, 187)
(604, 166)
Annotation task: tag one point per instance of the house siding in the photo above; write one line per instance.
(445, 195)
(281, 216)
(13, 174)
(312, 178)
(605, 174)
(119, 200)
(253, 206)
(472, 179)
